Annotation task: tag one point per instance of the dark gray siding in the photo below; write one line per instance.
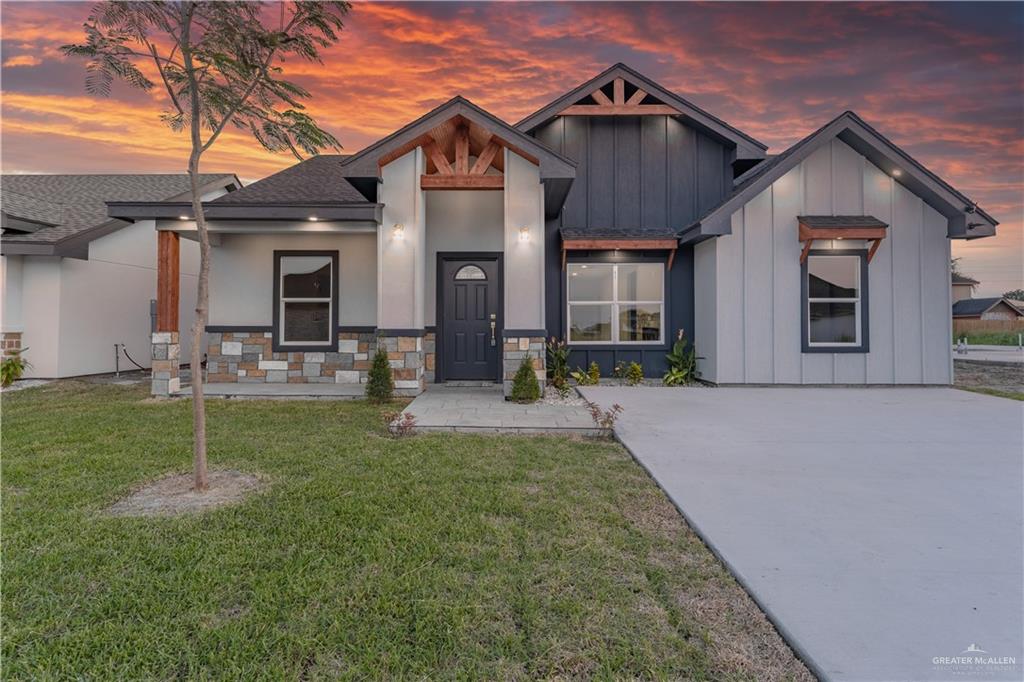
(642, 172)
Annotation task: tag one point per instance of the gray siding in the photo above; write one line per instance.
(638, 171)
(753, 277)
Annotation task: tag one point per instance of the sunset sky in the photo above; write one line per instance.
(944, 81)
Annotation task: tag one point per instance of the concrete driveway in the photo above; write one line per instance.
(880, 529)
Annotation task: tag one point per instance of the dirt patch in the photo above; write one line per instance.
(174, 495)
(1003, 376)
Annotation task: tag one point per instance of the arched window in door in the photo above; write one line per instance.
(470, 272)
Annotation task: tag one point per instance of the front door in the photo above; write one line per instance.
(470, 320)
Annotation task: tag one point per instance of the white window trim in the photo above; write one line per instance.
(329, 299)
(615, 303)
(855, 300)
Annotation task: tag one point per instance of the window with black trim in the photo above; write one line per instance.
(835, 302)
(306, 299)
(616, 303)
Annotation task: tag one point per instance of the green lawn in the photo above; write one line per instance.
(992, 338)
(437, 556)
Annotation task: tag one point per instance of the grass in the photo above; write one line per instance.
(998, 392)
(437, 556)
(989, 338)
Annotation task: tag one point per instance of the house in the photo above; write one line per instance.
(613, 217)
(963, 286)
(76, 283)
(996, 308)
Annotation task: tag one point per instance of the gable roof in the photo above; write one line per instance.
(318, 179)
(552, 164)
(746, 146)
(975, 307)
(966, 219)
(77, 203)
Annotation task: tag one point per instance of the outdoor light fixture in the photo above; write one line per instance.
(524, 234)
(398, 231)
(183, 217)
(313, 219)
(896, 172)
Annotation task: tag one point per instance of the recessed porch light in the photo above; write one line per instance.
(183, 217)
(896, 172)
(313, 219)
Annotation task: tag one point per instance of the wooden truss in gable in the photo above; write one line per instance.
(618, 104)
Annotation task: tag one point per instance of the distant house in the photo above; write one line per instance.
(73, 281)
(963, 286)
(996, 308)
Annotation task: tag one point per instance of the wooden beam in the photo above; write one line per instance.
(618, 91)
(168, 259)
(483, 162)
(619, 110)
(621, 244)
(807, 249)
(477, 182)
(671, 258)
(807, 232)
(601, 98)
(636, 97)
(874, 247)
(433, 152)
(462, 150)
(564, 254)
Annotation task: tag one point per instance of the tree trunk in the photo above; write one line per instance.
(203, 294)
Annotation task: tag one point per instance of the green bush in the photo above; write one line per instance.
(558, 362)
(594, 374)
(525, 388)
(379, 386)
(682, 363)
(12, 367)
(634, 374)
(590, 377)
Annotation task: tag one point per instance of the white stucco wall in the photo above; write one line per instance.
(10, 293)
(524, 260)
(401, 277)
(460, 221)
(242, 276)
(753, 277)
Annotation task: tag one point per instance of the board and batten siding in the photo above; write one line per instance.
(747, 284)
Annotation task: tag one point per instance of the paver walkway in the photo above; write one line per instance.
(484, 409)
(879, 528)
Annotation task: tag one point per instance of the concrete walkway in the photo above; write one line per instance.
(1007, 354)
(484, 409)
(879, 529)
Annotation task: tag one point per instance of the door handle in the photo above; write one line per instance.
(494, 340)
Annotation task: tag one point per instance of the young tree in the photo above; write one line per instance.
(1016, 294)
(218, 64)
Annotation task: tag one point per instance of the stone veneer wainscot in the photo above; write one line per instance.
(514, 349)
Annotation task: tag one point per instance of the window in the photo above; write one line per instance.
(835, 299)
(470, 272)
(616, 303)
(306, 295)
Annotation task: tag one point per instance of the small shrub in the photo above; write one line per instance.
(591, 377)
(13, 367)
(594, 374)
(558, 363)
(619, 371)
(525, 388)
(604, 419)
(634, 374)
(682, 363)
(380, 388)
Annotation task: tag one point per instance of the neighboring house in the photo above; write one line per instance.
(963, 286)
(615, 216)
(996, 308)
(76, 282)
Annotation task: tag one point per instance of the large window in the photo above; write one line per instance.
(835, 302)
(306, 294)
(616, 303)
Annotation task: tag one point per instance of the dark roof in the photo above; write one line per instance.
(970, 307)
(32, 209)
(82, 199)
(616, 233)
(865, 140)
(957, 278)
(703, 119)
(318, 179)
(841, 221)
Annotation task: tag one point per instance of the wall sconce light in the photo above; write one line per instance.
(896, 172)
(524, 234)
(183, 217)
(398, 231)
(313, 219)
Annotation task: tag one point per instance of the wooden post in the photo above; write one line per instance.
(167, 285)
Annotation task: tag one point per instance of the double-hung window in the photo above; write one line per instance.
(835, 302)
(616, 303)
(306, 296)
